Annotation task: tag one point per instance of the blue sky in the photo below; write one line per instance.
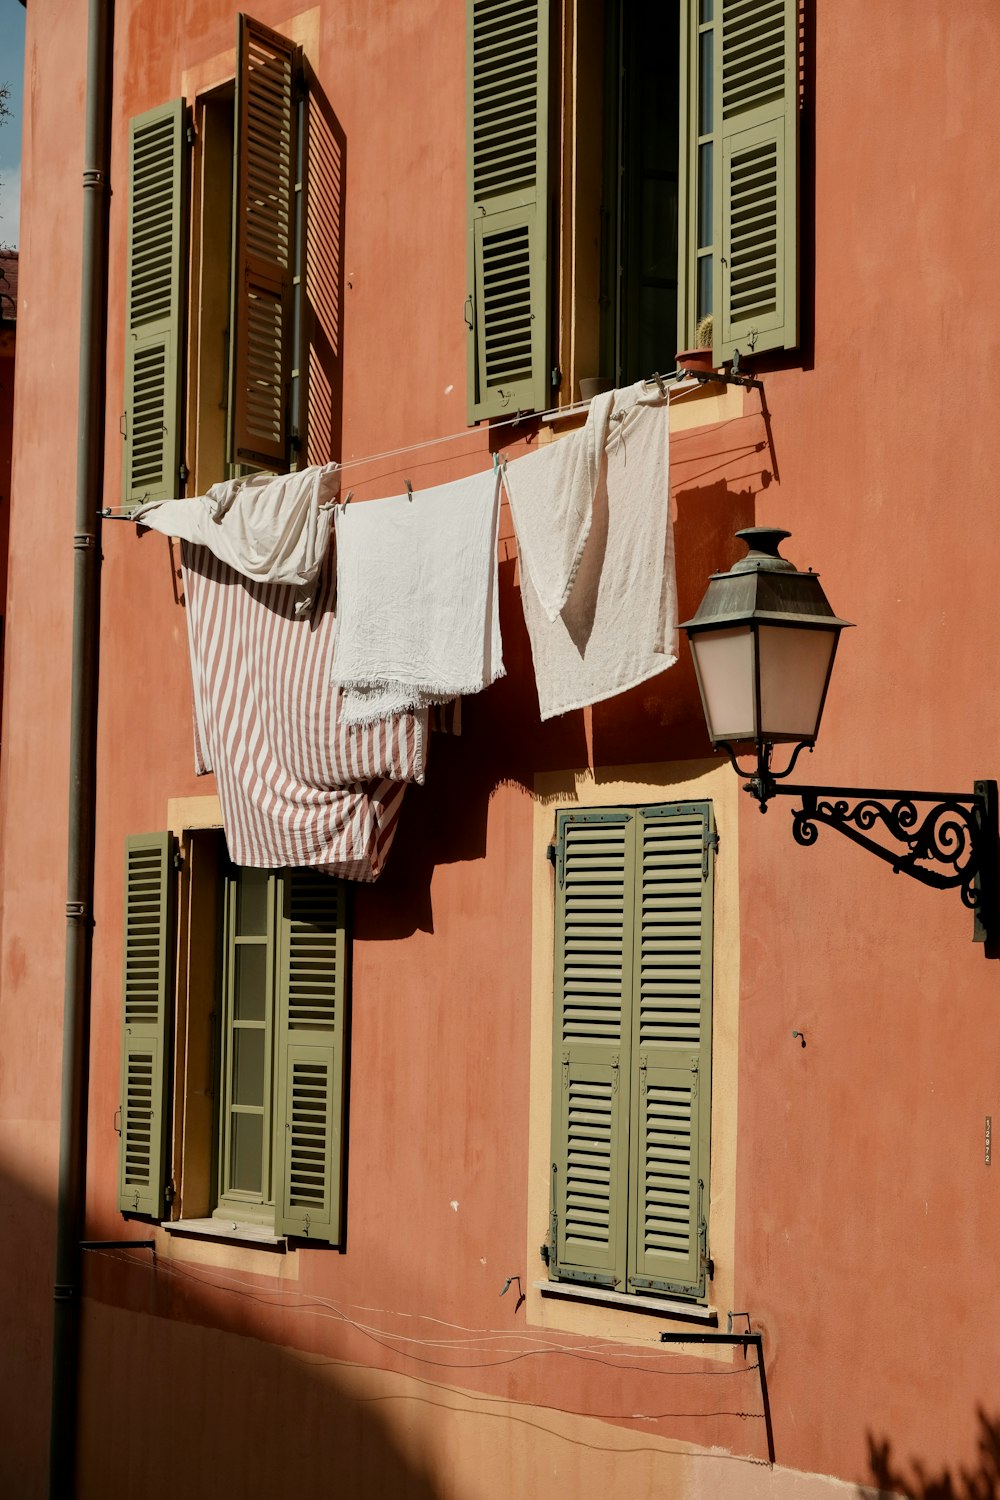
(12, 18)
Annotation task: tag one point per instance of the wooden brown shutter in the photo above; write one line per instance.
(267, 67)
(157, 213)
(147, 994)
(311, 1020)
(756, 195)
(507, 190)
(593, 986)
(671, 1049)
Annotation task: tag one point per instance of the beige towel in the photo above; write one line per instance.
(417, 598)
(619, 624)
(552, 506)
(270, 528)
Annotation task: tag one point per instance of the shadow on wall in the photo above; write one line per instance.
(27, 1236)
(171, 1407)
(921, 1483)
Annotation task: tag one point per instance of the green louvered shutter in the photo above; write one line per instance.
(507, 43)
(593, 977)
(147, 993)
(157, 214)
(267, 66)
(756, 194)
(671, 1049)
(312, 1004)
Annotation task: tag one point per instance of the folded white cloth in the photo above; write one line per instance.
(552, 506)
(417, 598)
(271, 528)
(619, 624)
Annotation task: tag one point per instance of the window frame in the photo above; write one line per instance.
(658, 860)
(174, 968)
(566, 306)
(248, 435)
(594, 1311)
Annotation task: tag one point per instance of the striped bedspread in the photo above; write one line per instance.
(297, 786)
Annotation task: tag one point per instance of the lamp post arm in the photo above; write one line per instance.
(943, 839)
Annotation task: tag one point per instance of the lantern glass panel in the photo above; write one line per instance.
(794, 665)
(724, 659)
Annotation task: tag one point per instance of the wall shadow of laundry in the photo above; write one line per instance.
(920, 1481)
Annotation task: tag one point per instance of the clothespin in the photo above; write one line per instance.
(496, 460)
(660, 386)
(409, 489)
(347, 499)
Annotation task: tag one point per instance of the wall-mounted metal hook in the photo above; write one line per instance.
(409, 489)
(801, 1036)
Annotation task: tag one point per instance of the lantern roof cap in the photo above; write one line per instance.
(765, 588)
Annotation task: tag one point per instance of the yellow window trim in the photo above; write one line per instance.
(695, 781)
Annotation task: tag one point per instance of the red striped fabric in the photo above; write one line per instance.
(296, 785)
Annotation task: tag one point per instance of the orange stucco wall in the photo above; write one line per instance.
(865, 1218)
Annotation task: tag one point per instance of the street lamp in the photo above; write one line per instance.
(763, 641)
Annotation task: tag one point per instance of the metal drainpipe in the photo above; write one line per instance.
(82, 757)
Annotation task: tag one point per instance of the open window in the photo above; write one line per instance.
(231, 299)
(632, 173)
(247, 1053)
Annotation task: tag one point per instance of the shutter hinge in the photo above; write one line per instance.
(552, 1258)
(184, 473)
(555, 376)
(190, 134)
(558, 858)
(707, 1263)
(711, 843)
(170, 1191)
(543, 1251)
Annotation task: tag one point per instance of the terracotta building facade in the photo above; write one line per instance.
(398, 238)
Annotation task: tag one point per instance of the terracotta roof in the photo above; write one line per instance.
(8, 286)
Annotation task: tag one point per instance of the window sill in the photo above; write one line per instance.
(258, 1235)
(629, 1302)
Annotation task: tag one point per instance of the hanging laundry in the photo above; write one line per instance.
(618, 625)
(417, 598)
(552, 506)
(270, 528)
(297, 785)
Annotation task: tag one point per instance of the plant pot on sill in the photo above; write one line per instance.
(698, 361)
(595, 385)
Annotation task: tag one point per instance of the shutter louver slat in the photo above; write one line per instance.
(508, 207)
(263, 232)
(756, 209)
(146, 995)
(154, 320)
(312, 999)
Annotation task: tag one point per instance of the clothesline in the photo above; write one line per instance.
(674, 378)
(521, 418)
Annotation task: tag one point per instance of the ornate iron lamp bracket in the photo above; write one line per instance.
(944, 840)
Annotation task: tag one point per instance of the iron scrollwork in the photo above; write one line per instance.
(947, 839)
